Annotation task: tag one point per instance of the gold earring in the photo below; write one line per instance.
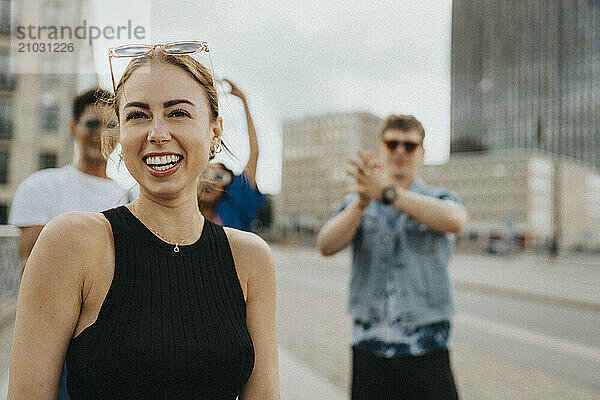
(218, 145)
(215, 147)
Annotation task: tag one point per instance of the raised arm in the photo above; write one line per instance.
(340, 230)
(250, 169)
(439, 215)
(48, 306)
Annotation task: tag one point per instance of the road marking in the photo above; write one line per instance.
(530, 337)
(527, 295)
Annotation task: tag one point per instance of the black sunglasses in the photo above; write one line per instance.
(409, 147)
(93, 125)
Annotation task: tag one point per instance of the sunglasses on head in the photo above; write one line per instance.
(409, 147)
(185, 47)
(93, 125)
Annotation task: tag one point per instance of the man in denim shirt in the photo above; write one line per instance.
(401, 296)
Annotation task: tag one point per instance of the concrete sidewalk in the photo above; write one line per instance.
(484, 372)
(567, 280)
(571, 281)
(298, 381)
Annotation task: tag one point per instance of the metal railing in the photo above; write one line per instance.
(10, 266)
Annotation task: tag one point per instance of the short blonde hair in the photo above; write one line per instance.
(403, 123)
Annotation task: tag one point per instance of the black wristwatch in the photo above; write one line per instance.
(389, 194)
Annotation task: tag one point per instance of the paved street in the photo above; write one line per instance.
(526, 329)
(525, 340)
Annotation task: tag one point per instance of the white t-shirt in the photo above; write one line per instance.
(54, 191)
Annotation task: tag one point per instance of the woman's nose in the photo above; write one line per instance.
(158, 133)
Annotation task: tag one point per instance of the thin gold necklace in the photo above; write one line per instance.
(161, 237)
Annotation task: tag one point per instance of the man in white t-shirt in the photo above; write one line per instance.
(83, 186)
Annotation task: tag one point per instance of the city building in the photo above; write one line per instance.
(36, 93)
(526, 75)
(525, 194)
(315, 152)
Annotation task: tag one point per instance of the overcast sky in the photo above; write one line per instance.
(294, 59)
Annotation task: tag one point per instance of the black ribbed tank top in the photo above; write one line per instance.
(172, 325)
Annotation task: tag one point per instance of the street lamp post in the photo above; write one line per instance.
(556, 154)
(556, 203)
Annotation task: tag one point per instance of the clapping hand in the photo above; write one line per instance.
(369, 177)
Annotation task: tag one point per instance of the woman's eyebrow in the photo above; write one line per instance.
(170, 103)
(137, 104)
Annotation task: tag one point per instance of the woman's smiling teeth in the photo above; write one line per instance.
(162, 162)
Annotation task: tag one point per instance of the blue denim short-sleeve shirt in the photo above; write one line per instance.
(389, 246)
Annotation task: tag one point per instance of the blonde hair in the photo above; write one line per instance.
(198, 72)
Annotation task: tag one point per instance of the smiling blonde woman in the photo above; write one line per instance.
(151, 300)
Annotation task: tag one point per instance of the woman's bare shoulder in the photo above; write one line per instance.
(251, 254)
(247, 244)
(76, 230)
(69, 249)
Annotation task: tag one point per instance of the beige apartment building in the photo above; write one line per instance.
(526, 193)
(36, 93)
(315, 151)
